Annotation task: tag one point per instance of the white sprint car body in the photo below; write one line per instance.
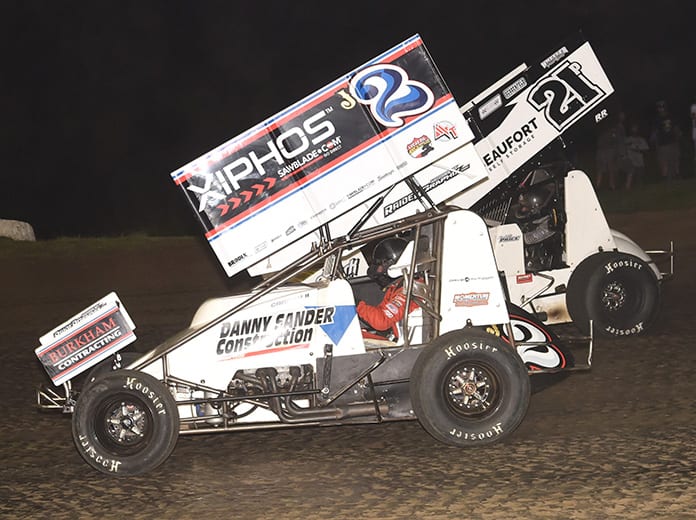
(302, 199)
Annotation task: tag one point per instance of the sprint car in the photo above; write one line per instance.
(291, 351)
(292, 354)
(560, 258)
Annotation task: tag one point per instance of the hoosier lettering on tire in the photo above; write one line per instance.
(125, 423)
(108, 365)
(469, 388)
(617, 291)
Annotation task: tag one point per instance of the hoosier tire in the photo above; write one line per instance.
(469, 388)
(107, 366)
(125, 423)
(617, 291)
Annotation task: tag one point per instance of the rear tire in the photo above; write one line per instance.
(469, 388)
(617, 291)
(125, 423)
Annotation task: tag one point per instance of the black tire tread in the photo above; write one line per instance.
(582, 284)
(165, 425)
(429, 412)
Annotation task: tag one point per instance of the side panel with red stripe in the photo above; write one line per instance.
(289, 327)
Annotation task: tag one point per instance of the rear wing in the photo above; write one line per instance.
(518, 120)
(391, 120)
(520, 115)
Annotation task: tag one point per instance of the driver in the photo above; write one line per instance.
(540, 227)
(531, 202)
(385, 316)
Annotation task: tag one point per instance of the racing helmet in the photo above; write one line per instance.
(385, 254)
(532, 201)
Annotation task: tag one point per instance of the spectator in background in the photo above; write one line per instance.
(665, 138)
(612, 156)
(605, 156)
(636, 146)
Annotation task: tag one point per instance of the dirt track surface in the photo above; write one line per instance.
(615, 442)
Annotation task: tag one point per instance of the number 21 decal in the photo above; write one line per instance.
(565, 95)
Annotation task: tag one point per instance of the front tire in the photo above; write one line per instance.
(617, 291)
(125, 423)
(115, 362)
(469, 388)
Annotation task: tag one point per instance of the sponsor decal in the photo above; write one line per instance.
(325, 150)
(636, 329)
(266, 332)
(347, 102)
(490, 106)
(80, 318)
(270, 333)
(565, 95)
(72, 354)
(525, 278)
(351, 268)
(452, 350)
(420, 147)
(468, 279)
(360, 189)
(511, 144)
(318, 214)
(508, 238)
(390, 94)
(472, 299)
(602, 114)
(437, 181)
(517, 86)
(336, 203)
(391, 309)
(477, 436)
(237, 258)
(268, 160)
(629, 263)
(134, 384)
(111, 464)
(554, 58)
(444, 130)
(383, 176)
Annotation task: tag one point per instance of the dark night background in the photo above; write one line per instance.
(102, 100)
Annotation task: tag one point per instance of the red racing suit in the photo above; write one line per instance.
(390, 311)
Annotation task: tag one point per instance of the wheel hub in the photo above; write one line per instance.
(614, 296)
(126, 423)
(469, 390)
